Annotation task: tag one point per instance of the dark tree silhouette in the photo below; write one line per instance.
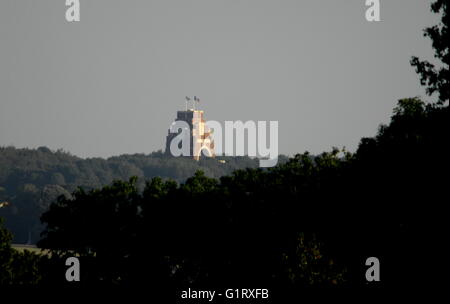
(436, 79)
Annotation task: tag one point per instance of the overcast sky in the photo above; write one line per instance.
(112, 83)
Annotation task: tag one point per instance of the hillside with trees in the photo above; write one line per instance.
(30, 179)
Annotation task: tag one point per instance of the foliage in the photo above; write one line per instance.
(17, 267)
(436, 79)
(308, 263)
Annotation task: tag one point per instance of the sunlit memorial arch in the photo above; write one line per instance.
(199, 132)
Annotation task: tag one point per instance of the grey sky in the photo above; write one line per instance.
(112, 83)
